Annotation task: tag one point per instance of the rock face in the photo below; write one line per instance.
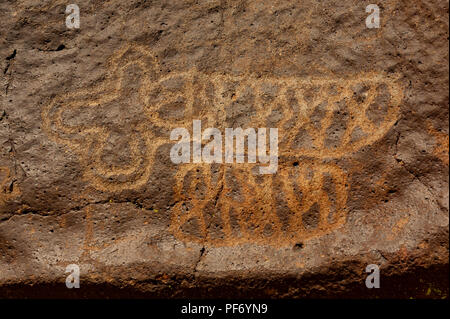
(86, 176)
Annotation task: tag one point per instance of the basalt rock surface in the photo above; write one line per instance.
(86, 176)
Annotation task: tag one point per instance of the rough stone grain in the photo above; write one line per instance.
(86, 177)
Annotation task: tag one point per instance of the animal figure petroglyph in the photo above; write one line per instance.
(319, 119)
(242, 208)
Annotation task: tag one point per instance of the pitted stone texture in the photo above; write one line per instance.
(86, 177)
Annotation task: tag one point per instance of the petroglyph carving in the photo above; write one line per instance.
(236, 205)
(318, 119)
(92, 138)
